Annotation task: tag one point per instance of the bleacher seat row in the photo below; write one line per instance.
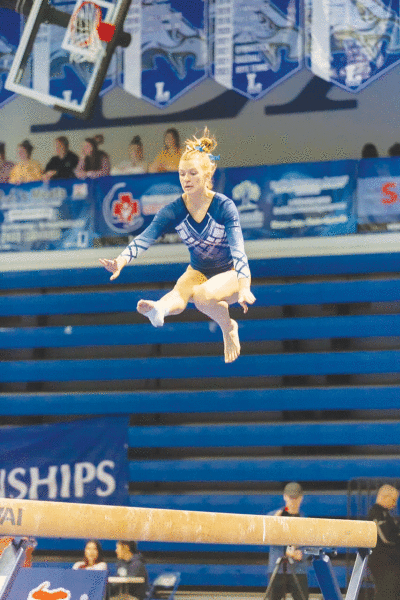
(314, 396)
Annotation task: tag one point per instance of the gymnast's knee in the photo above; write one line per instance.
(201, 296)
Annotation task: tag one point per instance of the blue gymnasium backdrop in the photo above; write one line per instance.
(274, 201)
(249, 46)
(87, 463)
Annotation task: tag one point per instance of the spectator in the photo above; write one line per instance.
(130, 564)
(26, 169)
(135, 164)
(292, 573)
(62, 165)
(369, 151)
(92, 162)
(5, 165)
(384, 562)
(394, 150)
(93, 557)
(169, 157)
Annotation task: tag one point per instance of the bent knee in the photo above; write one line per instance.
(201, 295)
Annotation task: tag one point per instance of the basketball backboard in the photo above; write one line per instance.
(63, 58)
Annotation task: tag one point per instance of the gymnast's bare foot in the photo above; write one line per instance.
(151, 310)
(231, 343)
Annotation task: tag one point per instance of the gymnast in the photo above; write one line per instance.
(208, 223)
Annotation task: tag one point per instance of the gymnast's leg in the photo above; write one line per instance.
(213, 298)
(175, 301)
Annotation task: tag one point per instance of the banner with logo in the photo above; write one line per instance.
(79, 461)
(378, 201)
(127, 204)
(42, 583)
(46, 216)
(304, 199)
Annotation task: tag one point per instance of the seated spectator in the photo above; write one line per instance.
(93, 557)
(26, 169)
(394, 150)
(62, 165)
(168, 158)
(369, 151)
(135, 164)
(5, 165)
(130, 564)
(92, 162)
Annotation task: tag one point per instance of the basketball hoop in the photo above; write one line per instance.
(86, 32)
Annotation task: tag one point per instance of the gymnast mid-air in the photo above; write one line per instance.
(208, 223)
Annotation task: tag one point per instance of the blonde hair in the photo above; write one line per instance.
(202, 147)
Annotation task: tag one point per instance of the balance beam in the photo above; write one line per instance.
(85, 521)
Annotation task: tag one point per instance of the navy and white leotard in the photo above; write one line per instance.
(215, 245)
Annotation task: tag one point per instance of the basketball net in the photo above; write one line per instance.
(86, 32)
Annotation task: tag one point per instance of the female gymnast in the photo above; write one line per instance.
(208, 223)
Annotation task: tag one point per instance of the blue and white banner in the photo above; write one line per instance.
(9, 39)
(256, 44)
(168, 53)
(350, 43)
(63, 584)
(127, 204)
(46, 216)
(304, 199)
(378, 199)
(79, 461)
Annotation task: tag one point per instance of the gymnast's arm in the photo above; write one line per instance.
(159, 225)
(240, 262)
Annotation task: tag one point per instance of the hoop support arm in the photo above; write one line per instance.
(68, 520)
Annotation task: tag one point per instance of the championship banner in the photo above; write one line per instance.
(255, 45)
(378, 194)
(304, 199)
(168, 53)
(351, 43)
(46, 216)
(79, 461)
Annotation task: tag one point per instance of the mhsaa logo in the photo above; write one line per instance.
(121, 210)
(42, 592)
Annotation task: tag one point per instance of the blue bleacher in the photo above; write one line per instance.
(345, 447)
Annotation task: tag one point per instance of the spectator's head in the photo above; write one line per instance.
(93, 553)
(387, 497)
(99, 138)
(125, 550)
(394, 150)
(2, 151)
(293, 496)
(198, 152)
(62, 146)
(369, 151)
(24, 150)
(135, 149)
(172, 139)
(89, 147)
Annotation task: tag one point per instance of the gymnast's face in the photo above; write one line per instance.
(193, 177)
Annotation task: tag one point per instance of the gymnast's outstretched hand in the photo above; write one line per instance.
(115, 266)
(245, 296)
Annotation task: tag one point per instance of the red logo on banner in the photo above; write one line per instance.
(390, 196)
(126, 208)
(42, 592)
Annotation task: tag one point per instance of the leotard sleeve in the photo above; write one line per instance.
(162, 222)
(235, 240)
